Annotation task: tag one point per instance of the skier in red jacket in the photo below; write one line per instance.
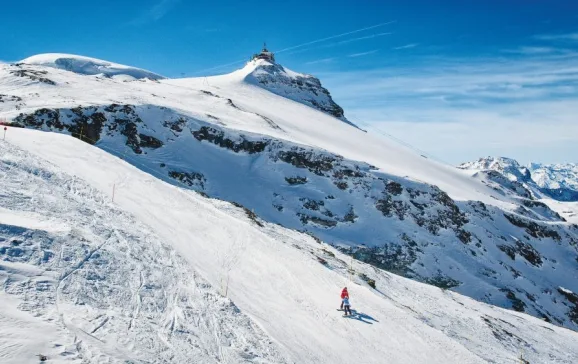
(344, 294)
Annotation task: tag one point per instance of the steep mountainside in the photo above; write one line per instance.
(88, 280)
(255, 137)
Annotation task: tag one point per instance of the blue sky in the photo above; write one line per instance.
(457, 79)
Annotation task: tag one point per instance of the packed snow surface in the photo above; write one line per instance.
(88, 66)
(85, 279)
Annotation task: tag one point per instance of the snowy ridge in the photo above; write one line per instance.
(114, 305)
(88, 66)
(290, 163)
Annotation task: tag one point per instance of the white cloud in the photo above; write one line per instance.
(525, 107)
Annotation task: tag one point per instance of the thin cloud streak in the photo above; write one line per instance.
(324, 60)
(358, 39)
(407, 46)
(297, 47)
(354, 55)
(334, 36)
(156, 12)
(564, 37)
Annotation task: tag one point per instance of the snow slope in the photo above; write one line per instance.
(88, 66)
(274, 276)
(85, 282)
(260, 138)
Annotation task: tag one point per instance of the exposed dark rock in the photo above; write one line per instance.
(572, 298)
(34, 75)
(191, 179)
(9, 98)
(306, 219)
(350, 216)
(442, 282)
(218, 138)
(175, 125)
(147, 141)
(312, 204)
(370, 282)
(231, 103)
(394, 188)
(314, 162)
(250, 214)
(464, 236)
(392, 257)
(517, 304)
(209, 93)
(296, 180)
(523, 249)
(341, 185)
(532, 228)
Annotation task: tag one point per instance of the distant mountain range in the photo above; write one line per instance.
(557, 181)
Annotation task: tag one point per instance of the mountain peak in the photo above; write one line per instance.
(88, 66)
(303, 88)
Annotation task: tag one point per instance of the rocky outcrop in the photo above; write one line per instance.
(89, 123)
(298, 87)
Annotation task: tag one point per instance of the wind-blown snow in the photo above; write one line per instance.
(122, 285)
(88, 66)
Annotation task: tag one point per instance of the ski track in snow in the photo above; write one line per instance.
(105, 289)
(109, 313)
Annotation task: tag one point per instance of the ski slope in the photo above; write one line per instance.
(271, 274)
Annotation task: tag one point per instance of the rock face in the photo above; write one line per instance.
(508, 258)
(91, 124)
(559, 181)
(295, 86)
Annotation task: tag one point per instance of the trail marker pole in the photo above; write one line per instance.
(113, 188)
(4, 138)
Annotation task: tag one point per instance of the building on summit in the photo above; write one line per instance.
(265, 54)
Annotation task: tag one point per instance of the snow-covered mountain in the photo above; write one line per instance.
(274, 141)
(89, 66)
(142, 279)
(555, 176)
(556, 181)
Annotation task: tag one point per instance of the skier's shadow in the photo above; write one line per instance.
(360, 316)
